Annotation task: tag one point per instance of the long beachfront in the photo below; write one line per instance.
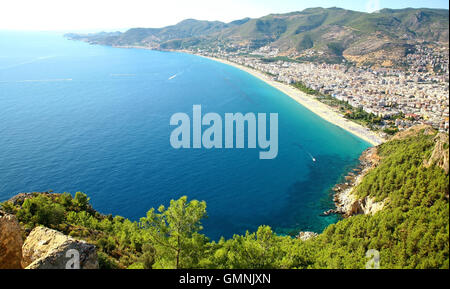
(312, 104)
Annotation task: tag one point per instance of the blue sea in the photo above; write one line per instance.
(77, 117)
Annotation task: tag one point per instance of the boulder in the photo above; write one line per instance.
(10, 242)
(305, 236)
(49, 249)
(365, 206)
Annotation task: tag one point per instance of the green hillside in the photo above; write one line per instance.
(412, 231)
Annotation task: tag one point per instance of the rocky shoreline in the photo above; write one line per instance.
(347, 203)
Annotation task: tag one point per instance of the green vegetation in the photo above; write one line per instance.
(330, 31)
(302, 87)
(306, 43)
(278, 58)
(336, 48)
(175, 233)
(272, 27)
(412, 231)
(363, 117)
(391, 130)
(355, 114)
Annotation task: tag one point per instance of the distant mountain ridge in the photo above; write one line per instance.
(332, 33)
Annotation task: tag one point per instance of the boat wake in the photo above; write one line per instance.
(176, 75)
(307, 152)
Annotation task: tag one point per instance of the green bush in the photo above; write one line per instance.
(41, 211)
(81, 200)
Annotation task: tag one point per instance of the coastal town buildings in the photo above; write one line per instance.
(417, 93)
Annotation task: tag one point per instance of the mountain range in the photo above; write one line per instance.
(317, 33)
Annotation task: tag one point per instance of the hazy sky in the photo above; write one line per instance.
(78, 15)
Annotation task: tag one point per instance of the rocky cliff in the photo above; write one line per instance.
(44, 248)
(347, 203)
(440, 154)
(49, 249)
(10, 242)
(305, 236)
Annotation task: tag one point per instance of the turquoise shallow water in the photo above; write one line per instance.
(76, 117)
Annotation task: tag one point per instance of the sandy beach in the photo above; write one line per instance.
(313, 105)
(317, 107)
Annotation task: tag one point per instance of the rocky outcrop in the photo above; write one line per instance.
(10, 242)
(305, 236)
(347, 203)
(365, 206)
(440, 154)
(49, 249)
(20, 198)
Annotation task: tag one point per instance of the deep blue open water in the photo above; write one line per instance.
(76, 117)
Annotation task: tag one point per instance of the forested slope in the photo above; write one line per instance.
(412, 231)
